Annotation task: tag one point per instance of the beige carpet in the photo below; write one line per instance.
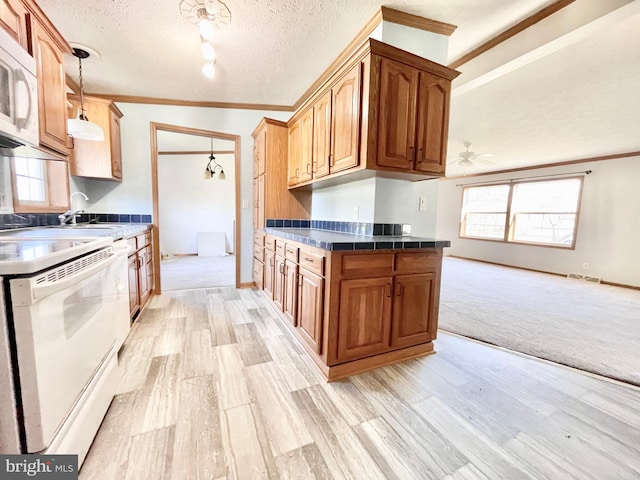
(588, 326)
(186, 273)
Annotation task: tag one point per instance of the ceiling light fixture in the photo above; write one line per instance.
(209, 170)
(81, 128)
(206, 14)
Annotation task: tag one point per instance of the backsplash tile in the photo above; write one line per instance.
(356, 228)
(22, 220)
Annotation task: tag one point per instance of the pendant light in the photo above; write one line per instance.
(210, 171)
(81, 128)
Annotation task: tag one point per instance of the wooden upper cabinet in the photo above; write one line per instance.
(301, 149)
(13, 18)
(97, 159)
(259, 153)
(322, 136)
(261, 201)
(345, 120)
(397, 114)
(432, 124)
(52, 96)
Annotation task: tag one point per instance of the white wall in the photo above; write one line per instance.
(608, 228)
(184, 194)
(338, 202)
(133, 195)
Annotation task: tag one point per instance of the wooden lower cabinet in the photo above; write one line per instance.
(258, 273)
(364, 317)
(140, 271)
(356, 310)
(310, 308)
(415, 309)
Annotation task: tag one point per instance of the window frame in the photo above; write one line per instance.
(510, 220)
(56, 182)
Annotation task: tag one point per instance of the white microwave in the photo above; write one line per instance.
(18, 95)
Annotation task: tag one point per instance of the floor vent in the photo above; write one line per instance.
(586, 278)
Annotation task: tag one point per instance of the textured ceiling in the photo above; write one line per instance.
(270, 53)
(576, 101)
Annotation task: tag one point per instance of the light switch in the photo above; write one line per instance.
(423, 204)
(245, 203)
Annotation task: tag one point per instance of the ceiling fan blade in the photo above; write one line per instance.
(485, 155)
(486, 162)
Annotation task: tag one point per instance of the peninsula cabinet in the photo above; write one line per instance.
(355, 310)
(93, 159)
(271, 197)
(140, 271)
(48, 49)
(384, 111)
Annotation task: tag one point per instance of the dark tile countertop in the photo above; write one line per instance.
(330, 240)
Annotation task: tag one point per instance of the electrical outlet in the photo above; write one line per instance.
(585, 266)
(356, 213)
(423, 204)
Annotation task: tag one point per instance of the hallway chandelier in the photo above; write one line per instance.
(210, 171)
(206, 14)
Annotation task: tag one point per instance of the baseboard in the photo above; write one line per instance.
(604, 282)
(247, 285)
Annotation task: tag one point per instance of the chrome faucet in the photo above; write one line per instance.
(69, 215)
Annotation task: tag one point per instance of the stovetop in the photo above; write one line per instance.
(29, 255)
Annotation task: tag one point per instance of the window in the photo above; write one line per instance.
(540, 212)
(39, 186)
(30, 181)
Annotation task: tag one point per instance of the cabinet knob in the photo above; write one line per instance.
(388, 289)
(412, 154)
(308, 169)
(330, 160)
(420, 155)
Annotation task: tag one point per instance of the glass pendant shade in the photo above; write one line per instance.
(84, 130)
(209, 70)
(81, 128)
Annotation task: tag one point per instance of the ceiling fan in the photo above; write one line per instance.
(467, 158)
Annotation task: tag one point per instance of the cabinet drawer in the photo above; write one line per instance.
(291, 252)
(418, 262)
(312, 262)
(280, 247)
(270, 243)
(258, 237)
(366, 265)
(133, 244)
(258, 252)
(142, 240)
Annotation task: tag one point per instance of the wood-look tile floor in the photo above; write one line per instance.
(214, 387)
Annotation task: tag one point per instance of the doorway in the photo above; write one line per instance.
(196, 220)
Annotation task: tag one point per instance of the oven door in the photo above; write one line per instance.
(64, 329)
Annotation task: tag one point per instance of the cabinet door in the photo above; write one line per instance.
(255, 204)
(259, 152)
(414, 309)
(295, 146)
(269, 271)
(134, 303)
(143, 276)
(261, 200)
(278, 283)
(322, 136)
(345, 121)
(290, 291)
(52, 95)
(365, 317)
(116, 146)
(311, 308)
(306, 146)
(258, 273)
(432, 123)
(397, 115)
(13, 20)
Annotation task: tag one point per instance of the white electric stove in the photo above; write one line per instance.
(58, 348)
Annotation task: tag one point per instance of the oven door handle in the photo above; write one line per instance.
(30, 292)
